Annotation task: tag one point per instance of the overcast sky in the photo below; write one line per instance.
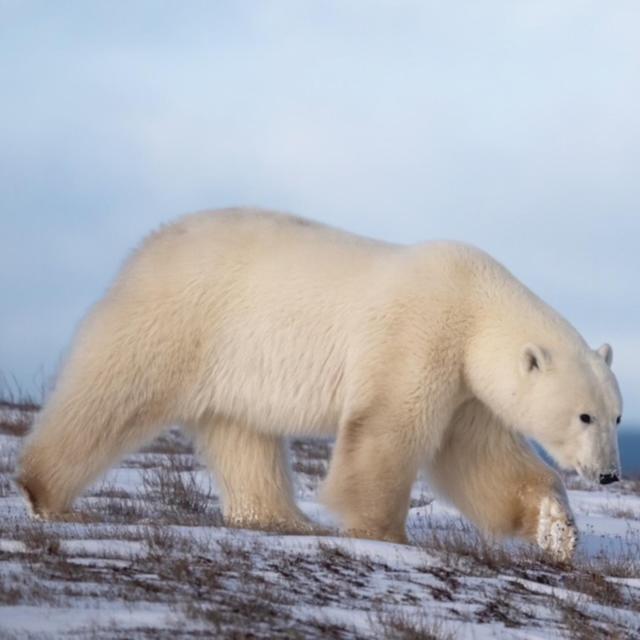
(511, 125)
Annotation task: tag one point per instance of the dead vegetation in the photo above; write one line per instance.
(624, 513)
(17, 408)
(15, 420)
(153, 539)
(393, 624)
(580, 624)
(173, 488)
(623, 562)
(170, 443)
(591, 579)
(464, 547)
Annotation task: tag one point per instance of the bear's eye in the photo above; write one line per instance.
(585, 417)
(618, 419)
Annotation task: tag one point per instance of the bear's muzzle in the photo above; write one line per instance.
(608, 478)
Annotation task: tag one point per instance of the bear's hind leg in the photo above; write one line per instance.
(253, 475)
(75, 439)
(495, 478)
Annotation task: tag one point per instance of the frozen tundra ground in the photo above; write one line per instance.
(148, 556)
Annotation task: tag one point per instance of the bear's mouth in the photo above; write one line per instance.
(588, 473)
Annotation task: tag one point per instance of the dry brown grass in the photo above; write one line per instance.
(115, 509)
(579, 624)
(177, 495)
(623, 513)
(173, 442)
(463, 547)
(632, 485)
(596, 586)
(394, 624)
(621, 563)
(17, 408)
(15, 420)
(5, 486)
(7, 467)
(150, 545)
(41, 538)
(590, 578)
(22, 588)
(318, 449)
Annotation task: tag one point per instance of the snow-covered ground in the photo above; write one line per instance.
(147, 556)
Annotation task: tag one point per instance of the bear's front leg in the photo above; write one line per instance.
(370, 478)
(495, 478)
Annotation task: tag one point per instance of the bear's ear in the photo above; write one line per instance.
(606, 352)
(533, 358)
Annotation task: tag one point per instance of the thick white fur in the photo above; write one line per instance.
(247, 326)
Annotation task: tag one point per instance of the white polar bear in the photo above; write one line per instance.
(248, 326)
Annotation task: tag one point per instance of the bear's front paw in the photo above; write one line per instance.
(556, 534)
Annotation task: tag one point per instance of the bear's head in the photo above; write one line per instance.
(558, 392)
(568, 400)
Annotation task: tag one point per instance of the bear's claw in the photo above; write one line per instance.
(556, 533)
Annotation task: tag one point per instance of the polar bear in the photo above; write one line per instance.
(248, 326)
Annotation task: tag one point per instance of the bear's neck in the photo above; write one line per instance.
(506, 308)
(506, 317)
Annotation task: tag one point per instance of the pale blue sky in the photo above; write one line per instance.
(511, 125)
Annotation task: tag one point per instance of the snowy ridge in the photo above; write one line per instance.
(147, 556)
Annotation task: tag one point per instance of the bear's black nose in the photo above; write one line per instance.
(608, 478)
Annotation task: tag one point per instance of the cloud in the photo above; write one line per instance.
(509, 125)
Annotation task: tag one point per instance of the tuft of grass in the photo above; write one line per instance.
(13, 397)
(260, 610)
(596, 586)
(313, 468)
(41, 538)
(240, 612)
(7, 462)
(632, 485)
(316, 449)
(621, 513)
(15, 420)
(22, 588)
(5, 486)
(175, 487)
(395, 624)
(17, 408)
(341, 562)
(462, 544)
(115, 510)
(580, 625)
(7, 467)
(171, 443)
(621, 562)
